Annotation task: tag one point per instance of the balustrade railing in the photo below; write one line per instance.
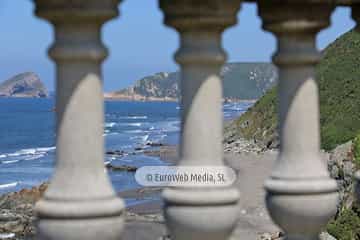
(80, 202)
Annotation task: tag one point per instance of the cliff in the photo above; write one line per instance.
(241, 81)
(26, 84)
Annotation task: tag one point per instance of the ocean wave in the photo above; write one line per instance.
(7, 235)
(110, 133)
(34, 157)
(26, 154)
(170, 126)
(132, 124)
(8, 185)
(138, 124)
(135, 131)
(133, 117)
(142, 138)
(110, 124)
(9, 161)
(46, 149)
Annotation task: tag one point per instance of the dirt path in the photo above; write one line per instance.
(252, 169)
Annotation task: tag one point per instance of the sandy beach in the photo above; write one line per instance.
(253, 222)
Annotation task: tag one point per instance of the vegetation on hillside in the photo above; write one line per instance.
(247, 80)
(347, 224)
(338, 76)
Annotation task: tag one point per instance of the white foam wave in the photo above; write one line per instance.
(170, 126)
(8, 185)
(46, 149)
(7, 235)
(13, 154)
(26, 154)
(133, 117)
(134, 131)
(9, 161)
(110, 124)
(110, 133)
(135, 124)
(34, 157)
(145, 138)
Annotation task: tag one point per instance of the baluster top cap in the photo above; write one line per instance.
(200, 14)
(77, 10)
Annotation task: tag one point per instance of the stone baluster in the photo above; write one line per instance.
(79, 202)
(301, 197)
(201, 213)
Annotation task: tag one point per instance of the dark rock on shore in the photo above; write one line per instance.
(116, 152)
(154, 144)
(121, 167)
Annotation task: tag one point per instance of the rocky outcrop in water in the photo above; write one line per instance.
(26, 84)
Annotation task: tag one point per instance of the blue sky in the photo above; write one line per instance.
(140, 44)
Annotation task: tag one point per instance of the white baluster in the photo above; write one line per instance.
(80, 202)
(301, 197)
(202, 213)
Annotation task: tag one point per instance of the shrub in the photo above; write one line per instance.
(346, 226)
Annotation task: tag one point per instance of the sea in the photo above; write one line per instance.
(27, 138)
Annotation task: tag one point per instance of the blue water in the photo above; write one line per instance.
(27, 145)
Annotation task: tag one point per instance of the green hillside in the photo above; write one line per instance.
(338, 76)
(247, 80)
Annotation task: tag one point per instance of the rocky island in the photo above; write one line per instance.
(26, 84)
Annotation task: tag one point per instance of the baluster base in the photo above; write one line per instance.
(80, 220)
(285, 201)
(201, 214)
